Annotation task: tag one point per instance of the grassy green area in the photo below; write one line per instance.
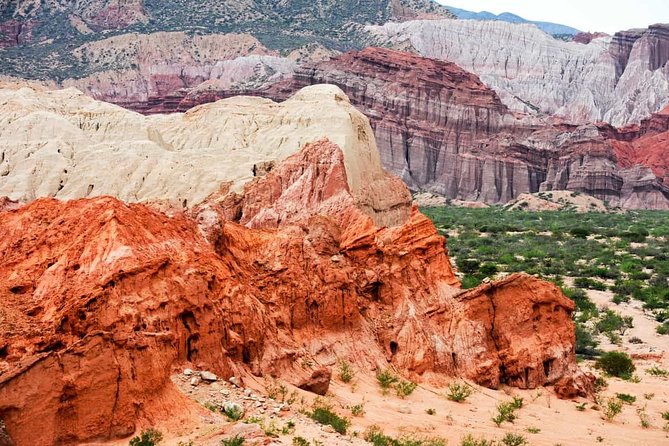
(626, 253)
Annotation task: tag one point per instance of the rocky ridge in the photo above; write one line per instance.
(620, 79)
(180, 158)
(443, 131)
(256, 294)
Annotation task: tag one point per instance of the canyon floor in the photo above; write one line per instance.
(543, 419)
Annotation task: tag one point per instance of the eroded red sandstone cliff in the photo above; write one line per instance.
(100, 300)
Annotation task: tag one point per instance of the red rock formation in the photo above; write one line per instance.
(442, 130)
(100, 299)
(586, 37)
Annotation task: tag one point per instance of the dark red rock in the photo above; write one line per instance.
(318, 382)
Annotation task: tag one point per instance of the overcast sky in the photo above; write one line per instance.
(587, 15)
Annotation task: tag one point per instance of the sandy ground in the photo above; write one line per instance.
(559, 421)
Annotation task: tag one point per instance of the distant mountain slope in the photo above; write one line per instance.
(554, 29)
(37, 37)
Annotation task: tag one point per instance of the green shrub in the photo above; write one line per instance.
(612, 409)
(616, 364)
(657, 371)
(358, 410)
(505, 412)
(299, 441)
(513, 440)
(626, 398)
(458, 392)
(405, 388)
(469, 440)
(148, 437)
(233, 412)
(611, 321)
(346, 372)
(233, 441)
(386, 379)
(324, 414)
(665, 415)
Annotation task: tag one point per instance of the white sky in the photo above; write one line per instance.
(587, 15)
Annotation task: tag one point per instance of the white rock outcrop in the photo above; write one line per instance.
(64, 144)
(615, 79)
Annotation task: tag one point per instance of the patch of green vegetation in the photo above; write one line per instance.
(386, 380)
(346, 372)
(148, 437)
(233, 441)
(626, 398)
(458, 392)
(617, 364)
(375, 435)
(630, 248)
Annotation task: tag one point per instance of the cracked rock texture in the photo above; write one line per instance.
(100, 300)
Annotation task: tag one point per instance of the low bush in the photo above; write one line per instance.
(148, 437)
(469, 440)
(233, 441)
(513, 440)
(458, 392)
(346, 372)
(626, 398)
(612, 408)
(324, 414)
(405, 388)
(616, 364)
(386, 380)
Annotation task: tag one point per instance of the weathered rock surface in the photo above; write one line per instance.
(443, 131)
(62, 143)
(318, 382)
(137, 70)
(619, 79)
(100, 300)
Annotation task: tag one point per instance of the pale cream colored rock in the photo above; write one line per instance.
(64, 144)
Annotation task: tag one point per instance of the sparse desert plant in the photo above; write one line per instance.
(649, 396)
(616, 364)
(211, 406)
(533, 430)
(657, 371)
(288, 427)
(386, 379)
(358, 410)
(346, 372)
(148, 437)
(665, 415)
(237, 440)
(600, 384)
(511, 439)
(405, 388)
(458, 392)
(626, 398)
(234, 412)
(517, 402)
(184, 443)
(505, 412)
(469, 440)
(580, 407)
(431, 411)
(643, 417)
(299, 441)
(612, 408)
(375, 435)
(323, 414)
